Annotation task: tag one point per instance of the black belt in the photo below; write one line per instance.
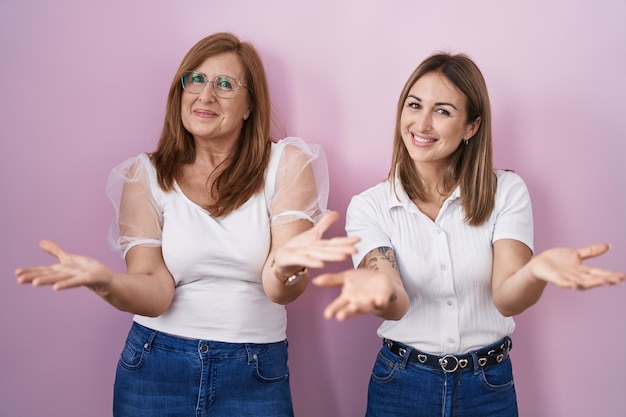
(492, 355)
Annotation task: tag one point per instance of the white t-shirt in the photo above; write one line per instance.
(445, 265)
(217, 262)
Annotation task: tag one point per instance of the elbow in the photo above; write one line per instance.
(398, 312)
(394, 317)
(280, 300)
(151, 311)
(155, 308)
(283, 298)
(509, 310)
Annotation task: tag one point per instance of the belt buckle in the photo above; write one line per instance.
(444, 362)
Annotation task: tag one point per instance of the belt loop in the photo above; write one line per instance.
(477, 367)
(404, 352)
(509, 342)
(147, 346)
(249, 353)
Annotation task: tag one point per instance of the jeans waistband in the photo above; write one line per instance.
(150, 338)
(490, 355)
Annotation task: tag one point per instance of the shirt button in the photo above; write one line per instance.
(449, 302)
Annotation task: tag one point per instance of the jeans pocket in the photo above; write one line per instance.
(498, 377)
(270, 365)
(384, 369)
(132, 355)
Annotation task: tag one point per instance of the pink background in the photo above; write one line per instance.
(83, 87)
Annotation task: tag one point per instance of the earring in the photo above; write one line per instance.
(465, 141)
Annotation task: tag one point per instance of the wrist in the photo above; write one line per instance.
(289, 279)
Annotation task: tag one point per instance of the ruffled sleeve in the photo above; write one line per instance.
(138, 220)
(297, 184)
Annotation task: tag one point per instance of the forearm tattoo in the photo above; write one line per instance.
(383, 253)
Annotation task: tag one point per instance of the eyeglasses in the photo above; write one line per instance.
(224, 86)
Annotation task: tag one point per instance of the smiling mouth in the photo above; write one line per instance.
(204, 113)
(419, 139)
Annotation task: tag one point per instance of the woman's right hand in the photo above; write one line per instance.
(70, 272)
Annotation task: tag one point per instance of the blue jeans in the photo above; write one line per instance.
(402, 389)
(163, 375)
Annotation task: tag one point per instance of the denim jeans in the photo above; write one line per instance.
(163, 375)
(402, 389)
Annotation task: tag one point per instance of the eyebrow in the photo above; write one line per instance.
(440, 103)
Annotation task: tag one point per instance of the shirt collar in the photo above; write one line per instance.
(399, 198)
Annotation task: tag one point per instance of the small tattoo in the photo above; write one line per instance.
(383, 253)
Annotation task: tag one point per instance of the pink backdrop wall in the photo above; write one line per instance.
(83, 87)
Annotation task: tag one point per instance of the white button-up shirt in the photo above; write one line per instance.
(445, 265)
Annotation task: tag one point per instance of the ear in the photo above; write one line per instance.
(245, 116)
(472, 128)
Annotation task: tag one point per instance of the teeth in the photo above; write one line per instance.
(422, 140)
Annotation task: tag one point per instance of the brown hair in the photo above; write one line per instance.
(243, 176)
(471, 165)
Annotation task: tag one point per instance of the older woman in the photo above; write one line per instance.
(216, 228)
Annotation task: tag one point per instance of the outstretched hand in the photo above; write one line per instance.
(310, 250)
(564, 267)
(71, 271)
(363, 291)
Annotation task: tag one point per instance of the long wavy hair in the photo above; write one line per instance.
(471, 165)
(239, 178)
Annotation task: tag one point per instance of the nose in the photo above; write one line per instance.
(424, 121)
(207, 94)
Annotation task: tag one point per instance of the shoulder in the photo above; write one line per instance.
(135, 169)
(511, 192)
(378, 195)
(132, 164)
(508, 178)
(508, 181)
(293, 146)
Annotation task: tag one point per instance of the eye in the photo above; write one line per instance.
(414, 105)
(225, 83)
(197, 78)
(443, 112)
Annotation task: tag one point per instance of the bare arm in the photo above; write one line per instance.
(297, 245)
(147, 289)
(374, 287)
(513, 290)
(519, 281)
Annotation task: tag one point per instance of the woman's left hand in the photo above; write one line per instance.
(564, 267)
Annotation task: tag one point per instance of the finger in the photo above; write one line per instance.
(24, 275)
(347, 241)
(595, 277)
(28, 275)
(324, 254)
(331, 310)
(329, 280)
(326, 221)
(593, 250)
(52, 248)
(52, 276)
